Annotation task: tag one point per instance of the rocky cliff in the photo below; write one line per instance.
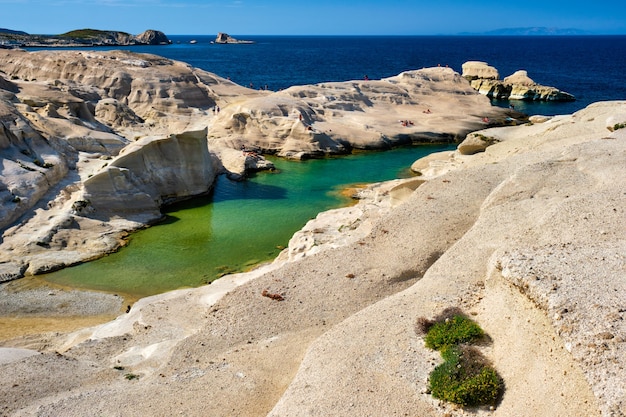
(65, 117)
(149, 173)
(519, 86)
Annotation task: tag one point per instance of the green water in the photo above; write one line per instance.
(240, 225)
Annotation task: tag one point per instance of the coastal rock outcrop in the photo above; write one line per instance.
(518, 86)
(226, 38)
(82, 37)
(473, 70)
(153, 37)
(149, 173)
(423, 106)
(65, 117)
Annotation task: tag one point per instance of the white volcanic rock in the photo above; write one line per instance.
(429, 105)
(519, 77)
(64, 117)
(476, 142)
(478, 69)
(167, 95)
(31, 166)
(149, 173)
(616, 122)
(518, 86)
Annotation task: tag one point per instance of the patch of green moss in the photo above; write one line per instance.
(452, 331)
(465, 377)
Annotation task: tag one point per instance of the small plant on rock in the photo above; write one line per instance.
(452, 331)
(465, 377)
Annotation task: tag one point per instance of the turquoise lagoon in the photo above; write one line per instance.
(238, 226)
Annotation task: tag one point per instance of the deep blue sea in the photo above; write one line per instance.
(592, 68)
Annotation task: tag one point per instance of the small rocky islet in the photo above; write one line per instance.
(520, 227)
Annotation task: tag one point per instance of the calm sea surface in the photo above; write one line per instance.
(243, 224)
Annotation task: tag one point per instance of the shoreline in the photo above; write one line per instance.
(32, 290)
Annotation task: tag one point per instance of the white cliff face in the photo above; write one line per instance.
(65, 117)
(149, 173)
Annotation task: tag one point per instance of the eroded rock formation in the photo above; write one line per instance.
(149, 173)
(518, 86)
(153, 37)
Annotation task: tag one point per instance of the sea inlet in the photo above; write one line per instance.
(238, 226)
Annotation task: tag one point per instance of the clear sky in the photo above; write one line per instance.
(310, 17)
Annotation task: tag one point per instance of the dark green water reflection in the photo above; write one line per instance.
(239, 226)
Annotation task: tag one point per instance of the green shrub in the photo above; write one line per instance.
(465, 377)
(462, 381)
(452, 331)
(619, 126)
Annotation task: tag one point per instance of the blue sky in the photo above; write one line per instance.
(311, 17)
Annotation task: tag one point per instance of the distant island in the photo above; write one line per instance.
(81, 37)
(530, 31)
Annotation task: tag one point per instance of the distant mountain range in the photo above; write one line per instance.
(531, 31)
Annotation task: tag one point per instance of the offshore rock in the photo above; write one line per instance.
(518, 86)
(226, 38)
(153, 37)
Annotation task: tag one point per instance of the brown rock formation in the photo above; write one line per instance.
(226, 38)
(152, 37)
